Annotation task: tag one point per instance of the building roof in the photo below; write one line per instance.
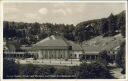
(56, 42)
(51, 41)
(75, 46)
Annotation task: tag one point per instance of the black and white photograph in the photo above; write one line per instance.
(64, 40)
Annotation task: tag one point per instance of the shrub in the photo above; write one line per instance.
(93, 71)
(10, 69)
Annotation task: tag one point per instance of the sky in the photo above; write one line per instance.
(59, 12)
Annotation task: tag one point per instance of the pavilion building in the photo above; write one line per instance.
(56, 47)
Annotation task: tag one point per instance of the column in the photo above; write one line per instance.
(66, 55)
(95, 57)
(48, 54)
(42, 52)
(45, 54)
(63, 55)
(54, 52)
(57, 56)
(89, 57)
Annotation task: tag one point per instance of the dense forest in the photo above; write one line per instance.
(30, 33)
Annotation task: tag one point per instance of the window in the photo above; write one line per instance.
(61, 56)
(92, 57)
(88, 57)
(70, 56)
(75, 56)
(45, 56)
(96, 57)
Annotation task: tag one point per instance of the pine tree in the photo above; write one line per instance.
(104, 27)
(111, 24)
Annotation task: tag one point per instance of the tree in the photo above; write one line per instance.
(45, 71)
(121, 21)
(9, 31)
(5, 29)
(123, 30)
(120, 58)
(36, 71)
(112, 24)
(82, 57)
(104, 27)
(83, 33)
(93, 70)
(35, 30)
(10, 68)
(60, 73)
(104, 58)
(27, 70)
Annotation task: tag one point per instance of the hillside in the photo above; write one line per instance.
(109, 26)
(97, 22)
(100, 43)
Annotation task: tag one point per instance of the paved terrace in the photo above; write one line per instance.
(50, 62)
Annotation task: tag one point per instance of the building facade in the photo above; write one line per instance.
(55, 47)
